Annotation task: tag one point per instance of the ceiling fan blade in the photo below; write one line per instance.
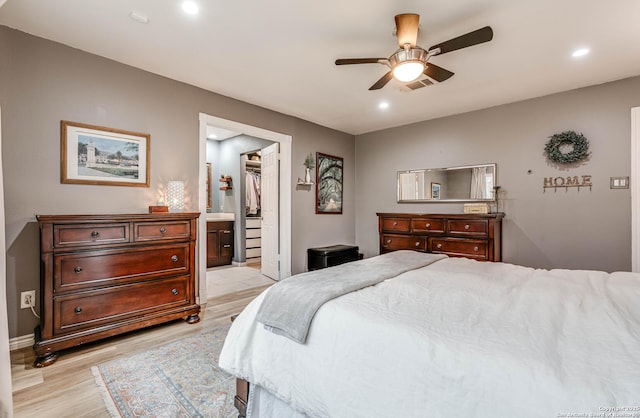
(437, 73)
(472, 38)
(346, 61)
(382, 82)
(407, 29)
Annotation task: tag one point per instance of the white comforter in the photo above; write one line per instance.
(458, 338)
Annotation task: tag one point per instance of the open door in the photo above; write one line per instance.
(269, 201)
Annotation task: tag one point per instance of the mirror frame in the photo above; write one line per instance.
(493, 199)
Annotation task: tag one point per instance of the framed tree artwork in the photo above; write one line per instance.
(328, 184)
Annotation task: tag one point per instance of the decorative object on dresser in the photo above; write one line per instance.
(333, 255)
(103, 156)
(103, 275)
(175, 196)
(329, 184)
(473, 235)
(158, 209)
(476, 208)
(219, 243)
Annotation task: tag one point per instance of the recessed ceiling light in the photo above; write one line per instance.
(580, 52)
(383, 105)
(190, 7)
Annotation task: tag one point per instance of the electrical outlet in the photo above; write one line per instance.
(27, 299)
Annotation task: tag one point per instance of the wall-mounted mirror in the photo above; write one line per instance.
(453, 184)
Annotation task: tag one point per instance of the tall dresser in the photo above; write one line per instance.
(476, 236)
(103, 275)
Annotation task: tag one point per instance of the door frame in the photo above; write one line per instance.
(635, 189)
(284, 228)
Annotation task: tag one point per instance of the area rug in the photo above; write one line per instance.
(178, 379)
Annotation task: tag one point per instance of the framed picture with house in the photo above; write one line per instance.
(103, 156)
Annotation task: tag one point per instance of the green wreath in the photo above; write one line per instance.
(579, 143)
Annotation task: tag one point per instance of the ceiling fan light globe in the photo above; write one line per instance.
(408, 71)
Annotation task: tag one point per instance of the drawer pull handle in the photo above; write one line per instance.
(388, 241)
(226, 232)
(77, 270)
(174, 258)
(417, 243)
(466, 226)
(439, 246)
(475, 248)
(77, 310)
(395, 224)
(227, 245)
(428, 225)
(95, 234)
(174, 291)
(163, 230)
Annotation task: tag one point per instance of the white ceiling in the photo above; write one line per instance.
(280, 54)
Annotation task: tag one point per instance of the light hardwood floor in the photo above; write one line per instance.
(67, 388)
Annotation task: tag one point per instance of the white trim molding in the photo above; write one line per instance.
(23, 341)
(635, 189)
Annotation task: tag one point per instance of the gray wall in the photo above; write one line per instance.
(573, 229)
(43, 82)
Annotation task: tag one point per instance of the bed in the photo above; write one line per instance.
(452, 338)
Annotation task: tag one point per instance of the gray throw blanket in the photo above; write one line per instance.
(289, 306)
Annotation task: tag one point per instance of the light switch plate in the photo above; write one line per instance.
(619, 183)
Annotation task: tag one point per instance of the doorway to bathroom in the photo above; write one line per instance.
(278, 229)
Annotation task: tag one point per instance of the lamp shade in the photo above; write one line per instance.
(175, 196)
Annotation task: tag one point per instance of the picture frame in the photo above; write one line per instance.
(98, 155)
(435, 190)
(329, 170)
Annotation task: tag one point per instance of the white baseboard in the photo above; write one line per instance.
(21, 342)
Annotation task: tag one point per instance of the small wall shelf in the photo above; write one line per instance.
(225, 183)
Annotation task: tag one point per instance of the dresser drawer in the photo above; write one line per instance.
(427, 225)
(468, 227)
(459, 247)
(84, 310)
(404, 242)
(107, 268)
(153, 231)
(67, 236)
(395, 224)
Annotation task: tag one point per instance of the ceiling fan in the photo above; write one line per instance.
(411, 61)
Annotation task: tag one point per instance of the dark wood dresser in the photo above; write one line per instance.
(476, 236)
(103, 275)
